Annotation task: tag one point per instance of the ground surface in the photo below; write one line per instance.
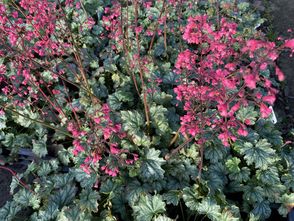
(5, 179)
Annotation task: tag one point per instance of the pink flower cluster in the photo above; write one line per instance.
(96, 145)
(26, 36)
(112, 22)
(223, 74)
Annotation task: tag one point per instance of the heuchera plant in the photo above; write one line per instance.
(150, 107)
(223, 73)
(30, 40)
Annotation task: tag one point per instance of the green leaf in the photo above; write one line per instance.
(64, 156)
(214, 152)
(162, 218)
(253, 217)
(44, 169)
(209, 208)
(85, 180)
(159, 119)
(23, 116)
(141, 140)
(191, 197)
(15, 183)
(35, 202)
(273, 192)
(61, 180)
(226, 215)
(2, 121)
(114, 102)
(148, 207)
(116, 99)
(253, 193)
(9, 210)
(170, 78)
(172, 197)
(159, 48)
(108, 187)
(151, 165)
(48, 76)
(64, 196)
(9, 138)
(288, 180)
(132, 121)
(160, 98)
(73, 214)
(50, 212)
(216, 177)
(247, 113)
(269, 176)
(242, 176)
(261, 154)
(287, 201)
(262, 210)
(39, 148)
(267, 130)
(153, 12)
(133, 191)
(89, 200)
(22, 197)
(120, 205)
(233, 165)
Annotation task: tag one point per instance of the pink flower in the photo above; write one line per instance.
(254, 44)
(263, 66)
(77, 147)
(56, 92)
(289, 44)
(265, 110)
(138, 29)
(78, 5)
(248, 122)
(13, 39)
(136, 157)
(269, 99)
(224, 137)
(96, 158)
(231, 66)
(97, 120)
(85, 168)
(112, 172)
(234, 109)
(113, 149)
(107, 133)
(242, 132)
(280, 74)
(193, 131)
(223, 109)
(230, 84)
(250, 81)
(186, 60)
(2, 69)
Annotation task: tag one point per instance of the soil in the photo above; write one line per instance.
(5, 179)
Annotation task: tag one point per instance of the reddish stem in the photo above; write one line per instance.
(13, 173)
